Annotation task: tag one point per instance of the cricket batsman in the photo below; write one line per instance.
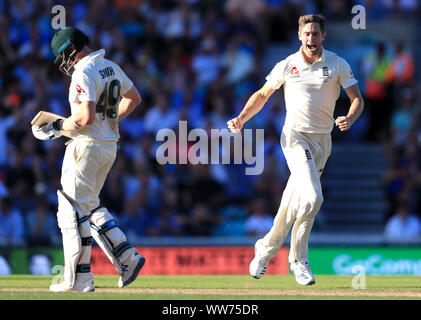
(100, 95)
(311, 78)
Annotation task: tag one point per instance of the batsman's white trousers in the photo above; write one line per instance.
(306, 155)
(85, 167)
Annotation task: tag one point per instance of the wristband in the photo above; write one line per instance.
(57, 124)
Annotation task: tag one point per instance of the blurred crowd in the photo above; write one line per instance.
(191, 60)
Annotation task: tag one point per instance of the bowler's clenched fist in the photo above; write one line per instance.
(235, 125)
(343, 123)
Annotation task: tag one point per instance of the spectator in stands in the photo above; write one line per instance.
(207, 61)
(374, 67)
(403, 226)
(338, 10)
(400, 9)
(400, 74)
(21, 180)
(203, 188)
(4, 267)
(3, 190)
(183, 21)
(238, 60)
(254, 13)
(374, 9)
(41, 225)
(233, 222)
(259, 221)
(12, 230)
(200, 221)
(401, 68)
(254, 10)
(113, 194)
(167, 221)
(403, 117)
(161, 115)
(133, 219)
(396, 178)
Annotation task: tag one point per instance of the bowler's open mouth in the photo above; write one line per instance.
(311, 47)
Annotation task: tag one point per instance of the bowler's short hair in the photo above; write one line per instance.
(309, 18)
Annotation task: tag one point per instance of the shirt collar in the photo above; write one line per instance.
(91, 56)
(305, 63)
(322, 56)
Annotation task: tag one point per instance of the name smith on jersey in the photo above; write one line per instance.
(107, 72)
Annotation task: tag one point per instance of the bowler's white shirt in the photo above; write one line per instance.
(92, 78)
(311, 90)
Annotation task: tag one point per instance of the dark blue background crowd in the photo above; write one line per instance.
(191, 60)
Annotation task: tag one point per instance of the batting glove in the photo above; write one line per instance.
(48, 131)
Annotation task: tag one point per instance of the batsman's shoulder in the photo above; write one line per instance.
(87, 73)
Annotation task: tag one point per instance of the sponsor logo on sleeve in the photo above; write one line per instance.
(79, 89)
(294, 73)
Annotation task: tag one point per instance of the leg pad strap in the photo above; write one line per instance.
(110, 224)
(88, 241)
(83, 268)
(81, 220)
(117, 251)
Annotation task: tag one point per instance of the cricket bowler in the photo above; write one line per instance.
(100, 95)
(311, 78)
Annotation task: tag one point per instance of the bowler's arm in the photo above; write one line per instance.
(355, 110)
(130, 100)
(254, 104)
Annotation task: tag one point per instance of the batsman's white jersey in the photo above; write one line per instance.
(311, 92)
(92, 152)
(101, 80)
(87, 161)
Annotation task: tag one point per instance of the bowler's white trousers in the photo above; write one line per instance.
(306, 155)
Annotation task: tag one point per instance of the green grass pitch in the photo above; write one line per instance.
(218, 287)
